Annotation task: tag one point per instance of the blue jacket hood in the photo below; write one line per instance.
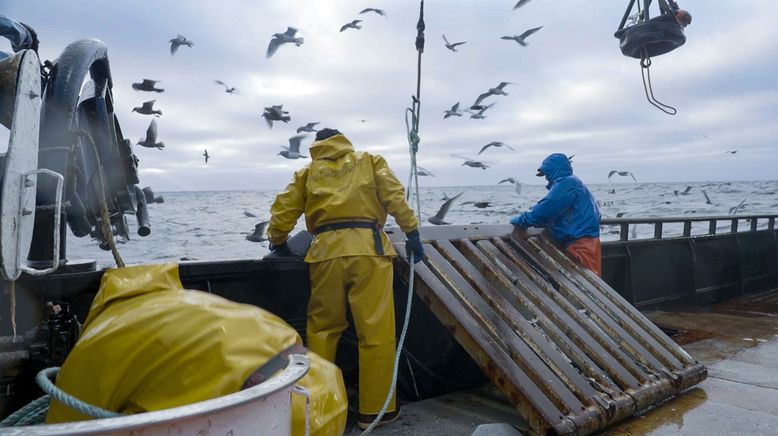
(555, 167)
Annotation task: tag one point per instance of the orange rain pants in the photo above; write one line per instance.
(366, 283)
(586, 252)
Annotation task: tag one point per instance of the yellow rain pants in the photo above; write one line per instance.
(366, 283)
(148, 344)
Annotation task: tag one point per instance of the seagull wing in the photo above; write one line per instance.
(261, 227)
(454, 45)
(174, 46)
(633, 176)
(366, 10)
(509, 180)
(530, 32)
(611, 173)
(446, 40)
(707, 199)
(290, 32)
(508, 38)
(520, 4)
(455, 108)
(272, 47)
(503, 84)
(508, 147)
(485, 147)
(294, 143)
(344, 27)
(151, 132)
(150, 83)
(222, 84)
(481, 98)
(446, 206)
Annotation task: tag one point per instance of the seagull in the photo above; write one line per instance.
(380, 12)
(509, 180)
(308, 127)
(438, 218)
(570, 158)
(293, 150)
(452, 46)
(147, 85)
(283, 38)
(206, 156)
(731, 151)
(621, 173)
(275, 113)
(178, 41)
(227, 89)
(479, 115)
(498, 90)
(249, 214)
(684, 192)
(482, 204)
(475, 164)
(520, 4)
(453, 112)
(352, 25)
(259, 233)
(520, 38)
(734, 210)
(421, 171)
(147, 109)
(151, 137)
(495, 144)
(707, 199)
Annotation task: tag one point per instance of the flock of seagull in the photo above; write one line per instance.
(276, 113)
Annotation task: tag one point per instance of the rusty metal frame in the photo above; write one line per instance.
(569, 353)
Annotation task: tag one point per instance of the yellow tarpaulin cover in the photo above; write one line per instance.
(148, 344)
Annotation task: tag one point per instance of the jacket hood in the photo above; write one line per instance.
(331, 148)
(555, 167)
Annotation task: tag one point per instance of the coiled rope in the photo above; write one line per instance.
(412, 127)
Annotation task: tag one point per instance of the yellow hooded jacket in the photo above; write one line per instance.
(341, 185)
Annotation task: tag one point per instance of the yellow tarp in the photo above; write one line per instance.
(148, 344)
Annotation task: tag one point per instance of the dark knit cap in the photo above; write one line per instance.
(326, 133)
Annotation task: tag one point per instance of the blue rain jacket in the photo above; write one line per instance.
(568, 211)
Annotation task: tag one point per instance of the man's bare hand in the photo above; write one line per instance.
(519, 232)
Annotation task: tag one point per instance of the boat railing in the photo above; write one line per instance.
(752, 220)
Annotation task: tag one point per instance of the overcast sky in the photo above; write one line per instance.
(575, 92)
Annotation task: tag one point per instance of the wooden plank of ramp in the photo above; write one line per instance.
(569, 353)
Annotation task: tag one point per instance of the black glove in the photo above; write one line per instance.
(413, 245)
(281, 250)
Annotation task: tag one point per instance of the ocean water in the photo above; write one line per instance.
(213, 226)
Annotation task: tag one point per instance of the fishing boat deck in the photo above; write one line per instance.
(737, 340)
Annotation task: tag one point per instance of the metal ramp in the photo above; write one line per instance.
(568, 352)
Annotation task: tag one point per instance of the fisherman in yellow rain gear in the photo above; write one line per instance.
(345, 196)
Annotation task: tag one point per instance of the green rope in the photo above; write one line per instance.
(31, 414)
(44, 381)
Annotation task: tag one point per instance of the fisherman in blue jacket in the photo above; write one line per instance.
(569, 212)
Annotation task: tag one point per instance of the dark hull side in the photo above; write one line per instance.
(649, 273)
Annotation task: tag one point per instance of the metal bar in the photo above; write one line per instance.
(712, 227)
(733, 229)
(687, 228)
(754, 223)
(658, 230)
(626, 14)
(623, 232)
(680, 219)
(771, 224)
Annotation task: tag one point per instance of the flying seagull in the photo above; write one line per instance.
(293, 150)
(621, 173)
(354, 24)
(259, 233)
(520, 38)
(308, 127)
(473, 163)
(509, 180)
(453, 112)
(151, 137)
(206, 156)
(275, 113)
(438, 218)
(731, 151)
(479, 115)
(147, 85)
(178, 41)
(495, 144)
(249, 214)
(684, 192)
(498, 90)
(707, 199)
(482, 204)
(734, 210)
(380, 12)
(147, 109)
(452, 46)
(421, 171)
(227, 89)
(520, 4)
(283, 38)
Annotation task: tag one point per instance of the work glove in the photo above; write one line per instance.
(413, 245)
(281, 249)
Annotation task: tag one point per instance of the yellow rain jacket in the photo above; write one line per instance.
(148, 344)
(341, 185)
